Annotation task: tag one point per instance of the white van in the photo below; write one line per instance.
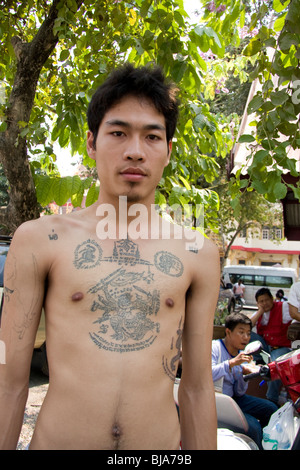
(255, 277)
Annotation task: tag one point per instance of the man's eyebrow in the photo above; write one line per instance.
(150, 126)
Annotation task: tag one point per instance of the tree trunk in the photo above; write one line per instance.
(13, 148)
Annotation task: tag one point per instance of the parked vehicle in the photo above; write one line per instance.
(40, 340)
(226, 294)
(232, 424)
(285, 368)
(255, 277)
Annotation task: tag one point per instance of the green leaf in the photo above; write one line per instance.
(92, 195)
(279, 5)
(255, 104)
(246, 138)
(44, 190)
(260, 186)
(279, 23)
(286, 40)
(253, 47)
(64, 55)
(3, 126)
(62, 190)
(279, 97)
(280, 191)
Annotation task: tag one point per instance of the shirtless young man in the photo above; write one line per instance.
(116, 308)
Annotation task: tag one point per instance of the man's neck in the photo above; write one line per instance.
(232, 350)
(123, 219)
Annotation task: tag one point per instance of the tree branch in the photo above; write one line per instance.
(31, 57)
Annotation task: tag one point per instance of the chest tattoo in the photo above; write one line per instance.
(126, 299)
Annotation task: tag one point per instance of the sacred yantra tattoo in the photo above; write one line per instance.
(126, 303)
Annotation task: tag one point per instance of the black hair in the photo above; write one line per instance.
(232, 320)
(142, 82)
(263, 291)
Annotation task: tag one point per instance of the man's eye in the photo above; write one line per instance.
(117, 133)
(153, 137)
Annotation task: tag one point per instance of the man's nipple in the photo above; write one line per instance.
(169, 302)
(77, 296)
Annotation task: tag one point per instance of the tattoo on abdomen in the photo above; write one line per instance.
(126, 303)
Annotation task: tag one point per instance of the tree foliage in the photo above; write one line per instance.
(55, 53)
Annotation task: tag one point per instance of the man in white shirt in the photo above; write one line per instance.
(294, 301)
(239, 288)
(294, 311)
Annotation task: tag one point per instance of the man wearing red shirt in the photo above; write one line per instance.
(272, 320)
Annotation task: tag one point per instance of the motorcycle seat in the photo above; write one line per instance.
(229, 414)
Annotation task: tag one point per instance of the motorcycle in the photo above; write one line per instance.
(239, 302)
(287, 369)
(232, 424)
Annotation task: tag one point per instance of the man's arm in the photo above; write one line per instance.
(196, 392)
(294, 313)
(256, 316)
(294, 301)
(23, 298)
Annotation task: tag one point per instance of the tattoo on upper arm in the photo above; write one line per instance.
(34, 308)
(27, 314)
(127, 304)
(7, 293)
(171, 368)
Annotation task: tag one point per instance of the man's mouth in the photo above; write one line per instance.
(133, 174)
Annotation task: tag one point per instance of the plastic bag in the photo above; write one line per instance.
(279, 434)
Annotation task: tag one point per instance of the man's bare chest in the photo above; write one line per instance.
(124, 287)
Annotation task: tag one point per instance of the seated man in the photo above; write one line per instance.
(294, 301)
(228, 367)
(272, 320)
(294, 311)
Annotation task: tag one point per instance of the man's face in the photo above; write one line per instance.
(131, 150)
(239, 337)
(265, 302)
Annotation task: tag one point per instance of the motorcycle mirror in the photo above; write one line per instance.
(266, 357)
(253, 347)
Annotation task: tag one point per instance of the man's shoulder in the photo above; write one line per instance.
(295, 287)
(35, 232)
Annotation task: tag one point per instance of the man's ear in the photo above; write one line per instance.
(169, 153)
(227, 332)
(90, 146)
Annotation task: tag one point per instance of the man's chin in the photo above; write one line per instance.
(132, 196)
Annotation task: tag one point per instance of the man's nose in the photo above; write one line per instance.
(134, 150)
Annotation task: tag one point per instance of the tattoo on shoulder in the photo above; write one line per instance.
(170, 367)
(193, 249)
(53, 235)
